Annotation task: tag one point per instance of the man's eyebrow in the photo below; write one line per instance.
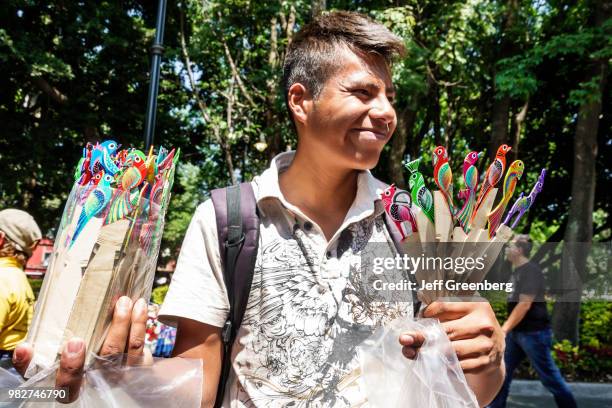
(370, 84)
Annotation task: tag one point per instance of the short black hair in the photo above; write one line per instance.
(523, 242)
(312, 56)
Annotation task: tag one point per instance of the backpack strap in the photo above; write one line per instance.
(238, 233)
(395, 236)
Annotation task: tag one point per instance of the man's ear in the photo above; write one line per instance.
(300, 102)
(1, 239)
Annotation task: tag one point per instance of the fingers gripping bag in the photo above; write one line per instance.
(110, 382)
(434, 379)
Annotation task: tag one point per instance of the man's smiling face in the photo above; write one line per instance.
(353, 117)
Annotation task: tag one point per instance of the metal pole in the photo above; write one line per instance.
(157, 50)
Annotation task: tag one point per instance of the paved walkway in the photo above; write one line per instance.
(531, 394)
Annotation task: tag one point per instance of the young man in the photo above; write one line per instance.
(527, 328)
(320, 211)
(19, 235)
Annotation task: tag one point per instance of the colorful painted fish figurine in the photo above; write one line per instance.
(523, 204)
(470, 176)
(514, 174)
(397, 205)
(492, 176)
(96, 202)
(421, 195)
(102, 156)
(443, 176)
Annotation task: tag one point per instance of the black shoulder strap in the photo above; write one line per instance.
(416, 303)
(238, 232)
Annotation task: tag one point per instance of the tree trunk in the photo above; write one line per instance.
(91, 134)
(501, 104)
(499, 125)
(519, 120)
(436, 115)
(275, 138)
(273, 117)
(415, 146)
(579, 232)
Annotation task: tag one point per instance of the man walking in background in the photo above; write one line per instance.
(527, 328)
(19, 235)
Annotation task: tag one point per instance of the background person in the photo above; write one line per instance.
(528, 332)
(19, 235)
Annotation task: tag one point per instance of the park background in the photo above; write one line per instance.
(533, 74)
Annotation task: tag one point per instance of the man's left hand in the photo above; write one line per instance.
(474, 333)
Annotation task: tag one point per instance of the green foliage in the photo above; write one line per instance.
(517, 76)
(500, 309)
(583, 363)
(159, 293)
(188, 185)
(73, 72)
(596, 318)
(588, 361)
(36, 285)
(96, 56)
(591, 360)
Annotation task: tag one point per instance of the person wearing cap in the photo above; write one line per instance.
(19, 235)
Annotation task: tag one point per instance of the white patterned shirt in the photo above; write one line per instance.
(304, 317)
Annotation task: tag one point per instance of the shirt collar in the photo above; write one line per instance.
(367, 200)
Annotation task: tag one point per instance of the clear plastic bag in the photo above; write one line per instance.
(433, 380)
(8, 379)
(109, 382)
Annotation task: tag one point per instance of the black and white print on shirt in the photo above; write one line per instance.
(296, 346)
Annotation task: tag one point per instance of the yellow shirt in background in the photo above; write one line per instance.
(16, 304)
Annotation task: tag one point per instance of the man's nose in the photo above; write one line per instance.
(382, 109)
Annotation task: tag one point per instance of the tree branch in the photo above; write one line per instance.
(202, 104)
(51, 91)
(196, 95)
(230, 108)
(431, 75)
(273, 55)
(519, 120)
(290, 25)
(236, 74)
(548, 262)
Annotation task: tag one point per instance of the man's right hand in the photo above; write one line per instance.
(126, 334)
